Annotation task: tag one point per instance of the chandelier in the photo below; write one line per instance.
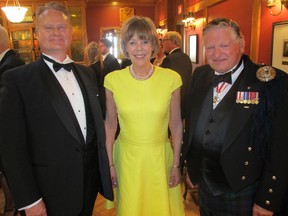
(14, 13)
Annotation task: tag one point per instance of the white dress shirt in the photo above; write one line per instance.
(226, 86)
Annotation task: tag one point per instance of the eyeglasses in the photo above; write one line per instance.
(166, 39)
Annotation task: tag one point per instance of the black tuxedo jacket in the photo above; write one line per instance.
(241, 157)
(181, 63)
(110, 64)
(10, 60)
(42, 149)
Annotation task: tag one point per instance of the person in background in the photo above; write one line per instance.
(144, 167)
(125, 63)
(51, 131)
(178, 61)
(8, 59)
(93, 59)
(235, 142)
(110, 62)
(160, 55)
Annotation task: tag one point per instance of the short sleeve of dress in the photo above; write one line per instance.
(108, 81)
(177, 82)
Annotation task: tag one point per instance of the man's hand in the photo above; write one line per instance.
(191, 185)
(38, 210)
(259, 211)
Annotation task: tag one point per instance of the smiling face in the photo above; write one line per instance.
(139, 51)
(223, 48)
(54, 33)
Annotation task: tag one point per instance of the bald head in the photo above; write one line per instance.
(4, 42)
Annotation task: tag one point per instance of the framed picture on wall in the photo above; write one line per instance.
(279, 54)
(193, 48)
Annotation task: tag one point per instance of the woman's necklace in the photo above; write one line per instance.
(140, 77)
(218, 89)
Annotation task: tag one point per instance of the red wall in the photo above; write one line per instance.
(109, 16)
(238, 10)
(265, 42)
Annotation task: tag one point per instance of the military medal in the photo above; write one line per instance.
(216, 99)
(244, 97)
(218, 89)
(266, 73)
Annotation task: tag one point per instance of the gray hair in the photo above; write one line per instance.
(224, 23)
(144, 28)
(175, 37)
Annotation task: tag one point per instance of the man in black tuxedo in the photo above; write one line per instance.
(8, 59)
(178, 61)
(110, 62)
(52, 132)
(235, 143)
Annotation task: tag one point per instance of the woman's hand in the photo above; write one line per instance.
(175, 177)
(259, 211)
(113, 176)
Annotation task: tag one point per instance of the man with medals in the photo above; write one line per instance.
(235, 140)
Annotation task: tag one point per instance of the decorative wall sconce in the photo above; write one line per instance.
(14, 13)
(189, 20)
(273, 3)
(159, 30)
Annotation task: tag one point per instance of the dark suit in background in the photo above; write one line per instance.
(179, 62)
(110, 62)
(10, 60)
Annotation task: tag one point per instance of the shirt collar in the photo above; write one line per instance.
(174, 50)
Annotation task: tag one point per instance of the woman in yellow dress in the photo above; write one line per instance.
(144, 162)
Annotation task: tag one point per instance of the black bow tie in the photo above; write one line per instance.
(222, 78)
(225, 77)
(57, 66)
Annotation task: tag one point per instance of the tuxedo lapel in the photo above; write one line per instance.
(92, 93)
(53, 88)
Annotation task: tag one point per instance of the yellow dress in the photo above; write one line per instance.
(142, 153)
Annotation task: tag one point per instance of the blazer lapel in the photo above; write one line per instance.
(52, 86)
(242, 112)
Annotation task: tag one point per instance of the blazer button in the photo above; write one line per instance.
(77, 150)
(270, 190)
(243, 178)
(267, 202)
(274, 178)
(246, 163)
(249, 148)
